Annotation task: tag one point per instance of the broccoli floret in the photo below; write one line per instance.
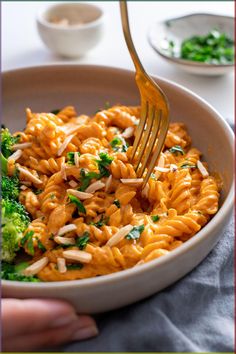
(15, 220)
(7, 141)
(3, 165)
(10, 187)
(13, 272)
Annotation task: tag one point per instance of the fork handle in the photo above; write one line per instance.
(128, 38)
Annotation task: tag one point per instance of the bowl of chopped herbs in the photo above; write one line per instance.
(198, 43)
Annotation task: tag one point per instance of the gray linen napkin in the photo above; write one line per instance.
(196, 314)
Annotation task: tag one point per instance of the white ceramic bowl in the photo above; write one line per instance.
(180, 28)
(71, 29)
(88, 88)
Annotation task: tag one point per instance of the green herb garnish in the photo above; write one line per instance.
(71, 157)
(119, 144)
(105, 160)
(82, 241)
(187, 165)
(74, 266)
(38, 191)
(117, 203)
(78, 203)
(155, 217)
(27, 236)
(135, 233)
(86, 178)
(41, 246)
(55, 111)
(213, 48)
(101, 222)
(176, 149)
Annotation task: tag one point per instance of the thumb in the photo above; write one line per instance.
(28, 316)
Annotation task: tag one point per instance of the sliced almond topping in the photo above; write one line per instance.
(202, 169)
(73, 184)
(128, 132)
(23, 188)
(132, 181)
(94, 187)
(161, 169)
(76, 159)
(26, 183)
(119, 235)
(21, 146)
(79, 256)
(64, 144)
(16, 155)
(79, 194)
(61, 264)
(108, 183)
(67, 228)
(64, 240)
(36, 267)
(63, 169)
(173, 167)
(28, 174)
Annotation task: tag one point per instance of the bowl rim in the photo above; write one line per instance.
(225, 210)
(41, 20)
(186, 62)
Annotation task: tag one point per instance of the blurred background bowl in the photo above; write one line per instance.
(180, 28)
(71, 29)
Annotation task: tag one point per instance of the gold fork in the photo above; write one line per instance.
(154, 118)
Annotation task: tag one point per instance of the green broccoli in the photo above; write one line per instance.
(7, 141)
(13, 272)
(10, 187)
(15, 220)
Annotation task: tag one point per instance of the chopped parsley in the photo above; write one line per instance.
(155, 218)
(71, 157)
(187, 165)
(105, 160)
(52, 196)
(25, 238)
(86, 178)
(55, 111)
(101, 222)
(176, 149)
(119, 144)
(117, 203)
(74, 266)
(78, 203)
(135, 233)
(82, 241)
(41, 246)
(38, 191)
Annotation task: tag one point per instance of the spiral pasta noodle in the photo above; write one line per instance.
(86, 204)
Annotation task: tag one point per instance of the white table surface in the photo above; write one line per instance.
(21, 45)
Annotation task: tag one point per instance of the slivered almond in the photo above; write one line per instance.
(61, 264)
(76, 159)
(161, 169)
(202, 169)
(36, 267)
(23, 188)
(64, 144)
(21, 146)
(79, 256)
(16, 155)
(64, 240)
(128, 132)
(108, 183)
(26, 183)
(28, 174)
(173, 167)
(63, 169)
(67, 228)
(119, 235)
(79, 194)
(94, 187)
(73, 184)
(132, 181)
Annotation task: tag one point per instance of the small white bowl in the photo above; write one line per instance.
(71, 29)
(181, 28)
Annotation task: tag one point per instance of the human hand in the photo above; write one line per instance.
(29, 325)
